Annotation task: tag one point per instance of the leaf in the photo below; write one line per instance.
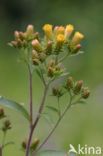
(9, 143)
(54, 153)
(52, 109)
(38, 73)
(48, 118)
(65, 74)
(14, 106)
(83, 102)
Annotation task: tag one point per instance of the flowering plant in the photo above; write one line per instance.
(45, 56)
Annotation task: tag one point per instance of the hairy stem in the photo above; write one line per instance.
(51, 132)
(0, 151)
(36, 120)
(31, 111)
(31, 99)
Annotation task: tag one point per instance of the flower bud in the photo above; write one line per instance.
(6, 125)
(78, 86)
(58, 66)
(55, 91)
(59, 41)
(1, 112)
(34, 54)
(19, 43)
(35, 61)
(85, 93)
(60, 30)
(36, 35)
(25, 44)
(22, 35)
(14, 44)
(68, 31)
(42, 57)
(29, 31)
(56, 30)
(49, 48)
(52, 63)
(24, 145)
(36, 45)
(69, 83)
(77, 38)
(50, 72)
(48, 31)
(34, 144)
(76, 49)
(16, 35)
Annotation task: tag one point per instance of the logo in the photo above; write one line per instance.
(85, 150)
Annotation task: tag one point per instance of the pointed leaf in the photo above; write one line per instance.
(52, 109)
(48, 118)
(83, 102)
(14, 106)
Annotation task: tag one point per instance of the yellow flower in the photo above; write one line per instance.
(77, 38)
(36, 45)
(68, 31)
(59, 30)
(60, 39)
(48, 31)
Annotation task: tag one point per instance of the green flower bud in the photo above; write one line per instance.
(69, 83)
(78, 86)
(14, 44)
(49, 48)
(85, 93)
(24, 144)
(52, 63)
(19, 43)
(58, 66)
(36, 35)
(50, 72)
(42, 57)
(57, 92)
(1, 112)
(76, 49)
(22, 35)
(36, 45)
(16, 35)
(34, 144)
(6, 125)
(35, 61)
(34, 54)
(30, 31)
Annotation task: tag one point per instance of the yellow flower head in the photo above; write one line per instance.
(68, 31)
(59, 30)
(60, 39)
(48, 31)
(77, 38)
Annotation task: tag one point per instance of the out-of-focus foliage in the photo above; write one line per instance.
(83, 123)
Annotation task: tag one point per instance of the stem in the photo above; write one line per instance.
(63, 58)
(0, 151)
(31, 111)
(3, 140)
(41, 107)
(51, 132)
(36, 120)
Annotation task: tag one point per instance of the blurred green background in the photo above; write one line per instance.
(82, 124)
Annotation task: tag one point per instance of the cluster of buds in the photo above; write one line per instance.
(55, 40)
(23, 39)
(54, 69)
(77, 88)
(33, 145)
(57, 92)
(6, 125)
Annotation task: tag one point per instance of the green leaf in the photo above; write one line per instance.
(48, 118)
(14, 106)
(38, 73)
(83, 102)
(9, 143)
(54, 153)
(52, 109)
